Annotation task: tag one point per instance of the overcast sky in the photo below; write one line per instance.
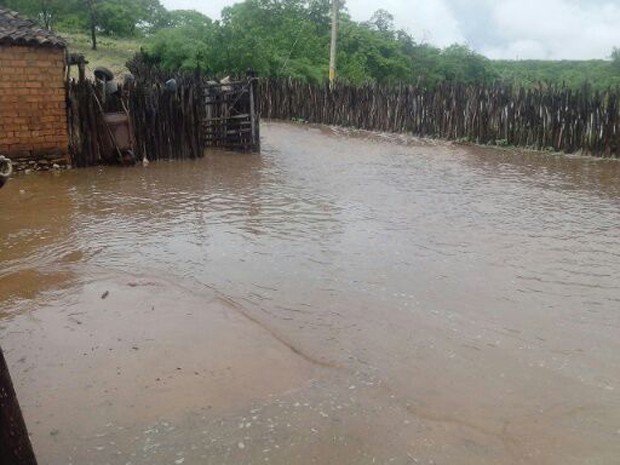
(514, 29)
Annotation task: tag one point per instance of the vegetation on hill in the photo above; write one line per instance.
(113, 53)
(289, 38)
(598, 74)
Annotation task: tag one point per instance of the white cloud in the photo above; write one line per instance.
(428, 21)
(555, 29)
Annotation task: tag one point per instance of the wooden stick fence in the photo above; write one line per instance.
(167, 124)
(541, 118)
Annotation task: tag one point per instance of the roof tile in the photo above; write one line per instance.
(17, 30)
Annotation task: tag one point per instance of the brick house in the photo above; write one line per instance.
(33, 112)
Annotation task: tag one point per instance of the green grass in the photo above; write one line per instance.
(112, 53)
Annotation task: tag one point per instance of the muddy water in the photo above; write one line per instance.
(345, 298)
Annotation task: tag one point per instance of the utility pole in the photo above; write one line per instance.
(332, 48)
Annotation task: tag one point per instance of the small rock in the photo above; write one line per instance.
(105, 294)
(241, 445)
(28, 171)
(56, 166)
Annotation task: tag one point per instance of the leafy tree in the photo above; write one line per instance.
(45, 11)
(186, 18)
(367, 54)
(382, 21)
(615, 58)
(107, 17)
(460, 63)
(187, 46)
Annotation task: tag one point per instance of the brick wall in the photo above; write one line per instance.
(33, 114)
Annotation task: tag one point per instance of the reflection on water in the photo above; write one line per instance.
(426, 301)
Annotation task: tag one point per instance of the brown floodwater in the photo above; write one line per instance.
(342, 298)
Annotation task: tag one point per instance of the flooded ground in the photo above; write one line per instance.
(345, 298)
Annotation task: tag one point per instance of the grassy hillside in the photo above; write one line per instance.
(111, 53)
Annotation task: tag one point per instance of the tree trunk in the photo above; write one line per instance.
(93, 24)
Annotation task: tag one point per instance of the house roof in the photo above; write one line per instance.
(17, 30)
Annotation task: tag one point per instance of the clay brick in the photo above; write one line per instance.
(20, 147)
(32, 100)
(42, 64)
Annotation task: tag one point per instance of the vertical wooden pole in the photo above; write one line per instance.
(15, 446)
(82, 70)
(253, 116)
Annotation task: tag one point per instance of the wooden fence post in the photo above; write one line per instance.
(15, 446)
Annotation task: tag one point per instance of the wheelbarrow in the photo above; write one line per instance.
(121, 135)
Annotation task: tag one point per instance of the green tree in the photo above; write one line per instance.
(185, 45)
(186, 18)
(615, 58)
(461, 64)
(368, 54)
(381, 20)
(45, 12)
